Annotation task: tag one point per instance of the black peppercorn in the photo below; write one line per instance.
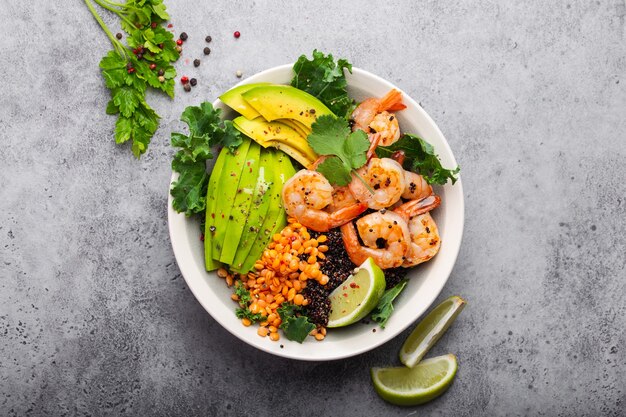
(207, 50)
(196, 62)
(183, 36)
(208, 39)
(193, 82)
(187, 87)
(161, 72)
(118, 35)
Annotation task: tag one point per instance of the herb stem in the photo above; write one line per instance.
(101, 23)
(112, 8)
(360, 178)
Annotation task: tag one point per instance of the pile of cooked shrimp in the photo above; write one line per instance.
(401, 232)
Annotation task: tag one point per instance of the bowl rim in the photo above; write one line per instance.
(452, 247)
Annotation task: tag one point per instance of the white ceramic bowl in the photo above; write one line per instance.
(426, 280)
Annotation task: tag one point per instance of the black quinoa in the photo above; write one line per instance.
(393, 276)
(338, 267)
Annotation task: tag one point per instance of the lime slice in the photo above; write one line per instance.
(357, 295)
(429, 330)
(413, 386)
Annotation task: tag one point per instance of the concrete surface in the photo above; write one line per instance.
(95, 318)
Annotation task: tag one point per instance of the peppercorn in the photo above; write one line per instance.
(187, 87)
(208, 39)
(183, 36)
(129, 65)
(179, 48)
(161, 72)
(193, 82)
(139, 56)
(161, 46)
(131, 70)
(236, 34)
(179, 42)
(118, 35)
(184, 79)
(152, 66)
(207, 50)
(153, 25)
(161, 79)
(196, 62)
(239, 73)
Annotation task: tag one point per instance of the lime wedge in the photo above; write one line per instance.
(429, 330)
(357, 295)
(413, 386)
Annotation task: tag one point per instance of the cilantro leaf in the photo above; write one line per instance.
(333, 169)
(324, 79)
(420, 158)
(294, 324)
(206, 130)
(383, 310)
(332, 136)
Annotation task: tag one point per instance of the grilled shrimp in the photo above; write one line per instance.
(416, 186)
(425, 240)
(385, 177)
(385, 237)
(307, 195)
(372, 116)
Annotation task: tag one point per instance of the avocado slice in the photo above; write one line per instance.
(226, 192)
(211, 201)
(285, 102)
(241, 205)
(266, 133)
(232, 98)
(276, 217)
(297, 126)
(258, 209)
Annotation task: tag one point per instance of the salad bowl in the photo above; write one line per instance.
(425, 281)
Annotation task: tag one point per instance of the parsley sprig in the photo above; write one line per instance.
(346, 150)
(128, 75)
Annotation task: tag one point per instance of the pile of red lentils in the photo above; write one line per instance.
(291, 259)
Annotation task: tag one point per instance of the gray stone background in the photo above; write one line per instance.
(95, 318)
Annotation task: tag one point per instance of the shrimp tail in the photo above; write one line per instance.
(392, 101)
(351, 242)
(346, 214)
(416, 207)
(374, 142)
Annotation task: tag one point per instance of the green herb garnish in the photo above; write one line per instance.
(347, 150)
(326, 80)
(206, 130)
(420, 158)
(294, 324)
(127, 71)
(383, 310)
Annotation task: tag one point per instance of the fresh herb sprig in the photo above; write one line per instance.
(346, 150)
(206, 130)
(420, 158)
(129, 70)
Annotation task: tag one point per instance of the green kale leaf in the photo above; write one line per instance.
(326, 80)
(420, 158)
(206, 130)
(295, 325)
